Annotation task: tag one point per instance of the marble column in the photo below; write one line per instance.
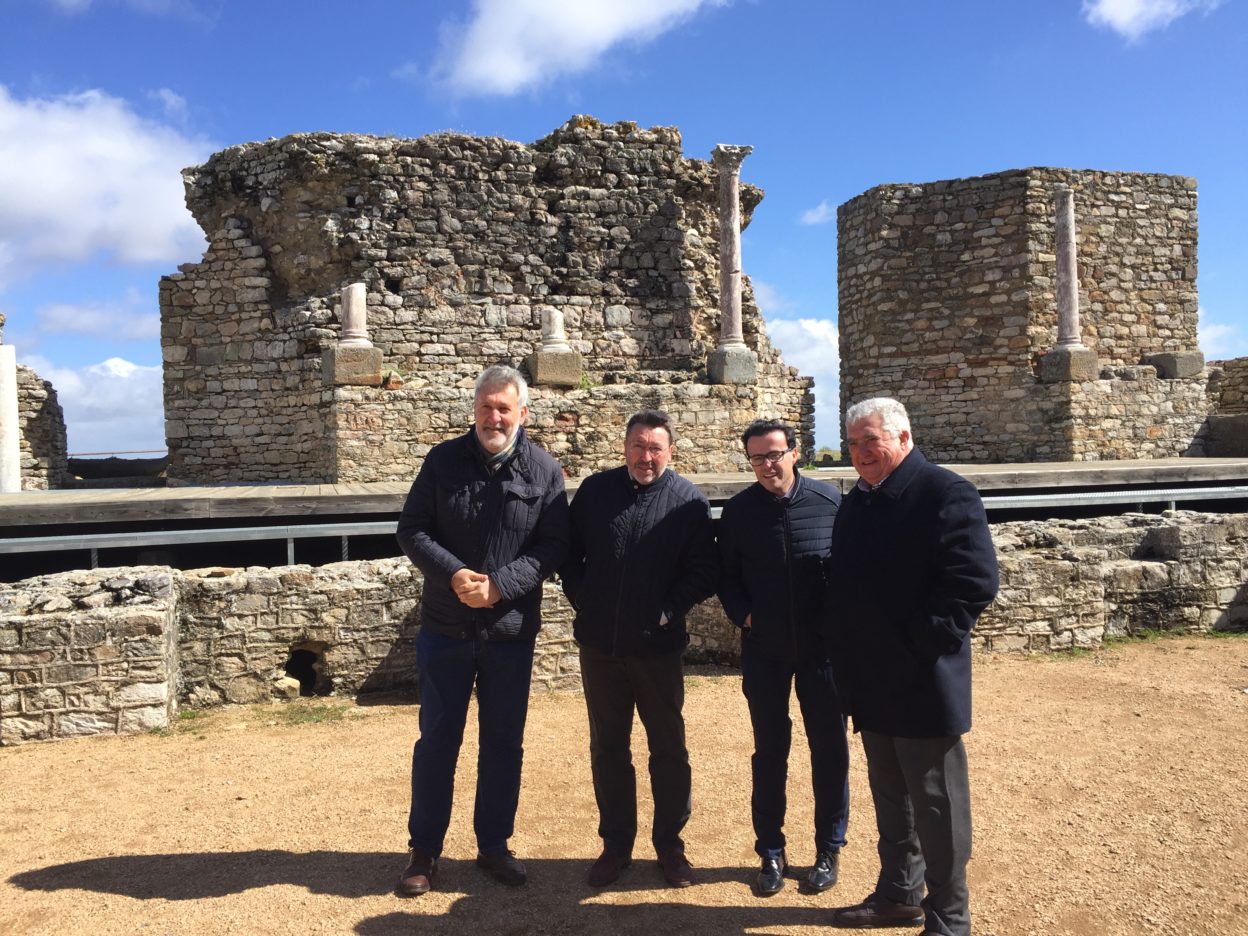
(1069, 361)
(10, 441)
(355, 317)
(732, 361)
(1067, 270)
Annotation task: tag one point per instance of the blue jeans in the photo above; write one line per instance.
(448, 666)
(766, 682)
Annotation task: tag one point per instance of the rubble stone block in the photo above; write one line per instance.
(1176, 365)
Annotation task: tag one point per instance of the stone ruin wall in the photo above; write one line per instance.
(1229, 388)
(41, 430)
(947, 301)
(119, 650)
(462, 242)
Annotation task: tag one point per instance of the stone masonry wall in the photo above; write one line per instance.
(41, 425)
(947, 301)
(462, 243)
(117, 650)
(1230, 386)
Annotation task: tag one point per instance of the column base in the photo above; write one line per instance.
(554, 368)
(1069, 365)
(732, 365)
(351, 366)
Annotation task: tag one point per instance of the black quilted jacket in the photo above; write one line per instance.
(773, 552)
(511, 525)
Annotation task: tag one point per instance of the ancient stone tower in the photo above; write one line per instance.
(465, 245)
(948, 302)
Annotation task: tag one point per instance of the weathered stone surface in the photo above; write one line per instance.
(1228, 436)
(947, 297)
(1064, 583)
(1177, 365)
(732, 365)
(351, 365)
(554, 368)
(464, 245)
(1069, 364)
(41, 431)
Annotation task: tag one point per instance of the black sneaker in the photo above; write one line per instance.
(771, 876)
(503, 867)
(825, 872)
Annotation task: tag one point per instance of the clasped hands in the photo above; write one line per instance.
(475, 589)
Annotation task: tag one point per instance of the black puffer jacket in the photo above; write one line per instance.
(773, 552)
(512, 525)
(638, 552)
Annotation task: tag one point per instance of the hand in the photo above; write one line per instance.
(475, 589)
(749, 619)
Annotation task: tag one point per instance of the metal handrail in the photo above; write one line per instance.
(291, 532)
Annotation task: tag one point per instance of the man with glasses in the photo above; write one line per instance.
(774, 538)
(643, 554)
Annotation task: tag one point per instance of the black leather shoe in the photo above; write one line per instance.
(503, 867)
(676, 869)
(417, 877)
(608, 868)
(825, 872)
(878, 911)
(771, 876)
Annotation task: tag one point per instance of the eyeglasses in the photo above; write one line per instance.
(769, 458)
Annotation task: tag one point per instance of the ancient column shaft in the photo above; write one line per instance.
(10, 440)
(727, 160)
(355, 317)
(1068, 335)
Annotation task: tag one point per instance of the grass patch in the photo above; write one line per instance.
(297, 713)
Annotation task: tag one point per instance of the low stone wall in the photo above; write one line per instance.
(117, 651)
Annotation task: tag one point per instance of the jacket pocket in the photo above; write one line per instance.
(520, 504)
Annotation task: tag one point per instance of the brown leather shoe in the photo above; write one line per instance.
(608, 868)
(418, 876)
(676, 868)
(877, 911)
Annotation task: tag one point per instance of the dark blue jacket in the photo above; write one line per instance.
(772, 558)
(638, 551)
(912, 567)
(511, 525)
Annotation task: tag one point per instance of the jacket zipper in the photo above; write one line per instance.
(628, 542)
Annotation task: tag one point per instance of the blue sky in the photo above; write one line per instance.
(103, 102)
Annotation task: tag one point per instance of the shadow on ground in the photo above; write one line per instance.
(556, 899)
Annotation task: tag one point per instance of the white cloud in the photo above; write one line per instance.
(83, 175)
(113, 406)
(122, 320)
(159, 7)
(812, 346)
(770, 301)
(1133, 18)
(822, 213)
(1218, 340)
(510, 45)
(173, 104)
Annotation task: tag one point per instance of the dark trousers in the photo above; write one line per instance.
(923, 812)
(449, 667)
(655, 687)
(767, 682)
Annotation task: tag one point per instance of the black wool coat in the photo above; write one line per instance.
(911, 568)
(639, 552)
(511, 524)
(773, 552)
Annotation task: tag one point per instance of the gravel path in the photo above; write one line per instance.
(1111, 797)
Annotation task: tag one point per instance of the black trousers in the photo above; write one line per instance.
(655, 688)
(923, 813)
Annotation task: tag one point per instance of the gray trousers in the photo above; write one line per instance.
(923, 813)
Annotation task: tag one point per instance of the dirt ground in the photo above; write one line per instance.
(1110, 797)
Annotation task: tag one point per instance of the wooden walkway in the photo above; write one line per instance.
(235, 502)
